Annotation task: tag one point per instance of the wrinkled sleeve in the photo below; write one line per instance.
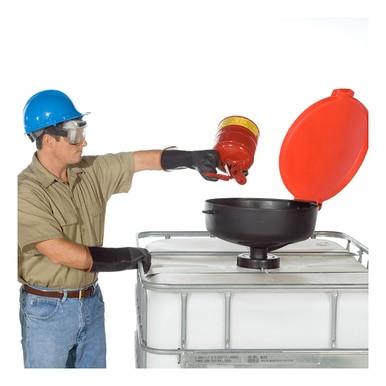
(36, 222)
(114, 172)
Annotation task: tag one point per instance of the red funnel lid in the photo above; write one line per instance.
(324, 147)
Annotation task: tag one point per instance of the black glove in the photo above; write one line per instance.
(119, 259)
(204, 161)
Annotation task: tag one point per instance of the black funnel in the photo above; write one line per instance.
(262, 224)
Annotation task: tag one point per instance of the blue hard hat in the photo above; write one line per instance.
(48, 108)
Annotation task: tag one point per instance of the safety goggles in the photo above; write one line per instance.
(74, 131)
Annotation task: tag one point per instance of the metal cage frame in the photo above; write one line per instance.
(228, 357)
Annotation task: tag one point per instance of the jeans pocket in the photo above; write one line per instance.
(39, 307)
(99, 296)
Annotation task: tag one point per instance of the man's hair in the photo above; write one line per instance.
(39, 143)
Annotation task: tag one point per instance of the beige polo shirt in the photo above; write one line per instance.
(48, 208)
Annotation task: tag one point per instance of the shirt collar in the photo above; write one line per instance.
(45, 177)
(72, 174)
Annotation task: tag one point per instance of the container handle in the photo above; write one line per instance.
(219, 176)
(209, 212)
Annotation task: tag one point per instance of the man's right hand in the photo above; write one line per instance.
(204, 161)
(118, 259)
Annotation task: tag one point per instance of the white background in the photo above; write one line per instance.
(161, 73)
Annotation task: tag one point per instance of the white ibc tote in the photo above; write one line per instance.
(197, 308)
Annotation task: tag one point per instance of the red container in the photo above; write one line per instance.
(236, 143)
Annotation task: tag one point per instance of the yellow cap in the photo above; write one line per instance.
(240, 121)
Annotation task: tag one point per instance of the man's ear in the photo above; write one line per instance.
(48, 141)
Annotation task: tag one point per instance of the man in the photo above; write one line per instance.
(62, 199)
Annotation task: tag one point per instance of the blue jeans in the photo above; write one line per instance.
(63, 332)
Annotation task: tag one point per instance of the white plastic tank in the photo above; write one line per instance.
(197, 308)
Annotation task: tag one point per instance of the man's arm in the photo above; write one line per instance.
(66, 252)
(95, 259)
(147, 160)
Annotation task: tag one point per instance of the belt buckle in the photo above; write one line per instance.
(80, 294)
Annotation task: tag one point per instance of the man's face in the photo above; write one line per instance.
(67, 153)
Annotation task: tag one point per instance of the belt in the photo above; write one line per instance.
(80, 294)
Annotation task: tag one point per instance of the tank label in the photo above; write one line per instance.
(271, 359)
